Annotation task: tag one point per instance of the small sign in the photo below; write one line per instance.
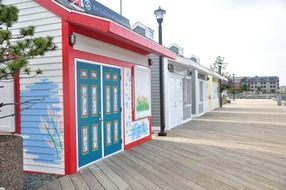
(95, 8)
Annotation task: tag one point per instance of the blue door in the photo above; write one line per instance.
(111, 110)
(89, 113)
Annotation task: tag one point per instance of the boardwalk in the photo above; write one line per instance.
(242, 146)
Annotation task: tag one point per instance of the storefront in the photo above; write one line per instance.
(94, 96)
(213, 90)
(178, 100)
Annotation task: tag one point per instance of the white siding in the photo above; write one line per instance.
(42, 123)
(7, 124)
(87, 44)
(215, 94)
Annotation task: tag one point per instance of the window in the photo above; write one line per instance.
(201, 91)
(187, 91)
(142, 96)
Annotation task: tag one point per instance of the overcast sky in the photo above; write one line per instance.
(250, 34)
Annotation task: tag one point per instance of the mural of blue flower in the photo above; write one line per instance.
(42, 122)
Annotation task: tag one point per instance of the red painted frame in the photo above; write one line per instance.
(122, 36)
(144, 139)
(100, 29)
(69, 56)
(17, 105)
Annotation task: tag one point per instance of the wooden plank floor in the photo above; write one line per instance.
(242, 146)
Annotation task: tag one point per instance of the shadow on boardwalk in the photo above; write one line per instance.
(241, 146)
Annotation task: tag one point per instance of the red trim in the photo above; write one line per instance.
(132, 94)
(69, 105)
(108, 39)
(123, 108)
(143, 140)
(100, 59)
(150, 126)
(53, 7)
(125, 36)
(17, 105)
(69, 56)
(139, 40)
(138, 142)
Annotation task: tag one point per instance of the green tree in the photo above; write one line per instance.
(16, 48)
(215, 66)
(258, 89)
(244, 87)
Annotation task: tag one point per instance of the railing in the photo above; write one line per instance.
(256, 96)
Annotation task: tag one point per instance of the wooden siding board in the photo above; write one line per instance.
(39, 155)
(51, 20)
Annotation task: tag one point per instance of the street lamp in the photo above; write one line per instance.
(219, 71)
(233, 91)
(159, 14)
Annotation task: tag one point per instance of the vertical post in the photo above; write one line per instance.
(162, 97)
(220, 98)
(233, 90)
(120, 7)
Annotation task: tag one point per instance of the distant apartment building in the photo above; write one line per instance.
(264, 84)
(283, 89)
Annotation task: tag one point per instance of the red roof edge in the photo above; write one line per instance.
(106, 26)
(140, 40)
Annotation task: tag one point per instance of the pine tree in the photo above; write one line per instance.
(16, 49)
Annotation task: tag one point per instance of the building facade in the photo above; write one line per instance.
(267, 84)
(93, 99)
(264, 84)
(282, 89)
(187, 92)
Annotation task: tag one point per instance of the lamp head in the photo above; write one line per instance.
(159, 14)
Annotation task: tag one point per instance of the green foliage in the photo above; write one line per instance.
(258, 89)
(17, 48)
(142, 104)
(215, 66)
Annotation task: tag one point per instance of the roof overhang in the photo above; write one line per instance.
(202, 69)
(126, 37)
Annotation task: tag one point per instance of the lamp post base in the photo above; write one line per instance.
(162, 134)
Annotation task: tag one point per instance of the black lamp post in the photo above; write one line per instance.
(220, 90)
(233, 90)
(159, 13)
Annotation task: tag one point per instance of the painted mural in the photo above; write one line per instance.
(142, 104)
(42, 122)
(142, 92)
(137, 129)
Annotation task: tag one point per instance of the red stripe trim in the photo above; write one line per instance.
(139, 40)
(17, 104)
(69, 104)
(138, 142)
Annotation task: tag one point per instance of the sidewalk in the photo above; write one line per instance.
(241, 146)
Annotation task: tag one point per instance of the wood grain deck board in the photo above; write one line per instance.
(120, 183)
(241, 146)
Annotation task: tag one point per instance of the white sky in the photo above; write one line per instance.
(250, 34)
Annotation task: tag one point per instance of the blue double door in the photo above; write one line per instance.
(98, 112)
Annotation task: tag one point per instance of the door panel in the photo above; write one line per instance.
(176, 111)
(89, 109)
(111, 110)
